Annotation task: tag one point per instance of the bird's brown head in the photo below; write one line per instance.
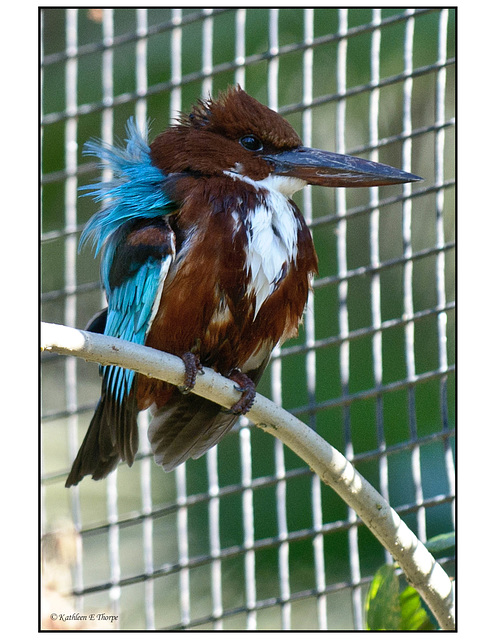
(237, 135)
(228, 134)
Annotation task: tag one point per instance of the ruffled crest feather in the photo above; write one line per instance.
(135, 192)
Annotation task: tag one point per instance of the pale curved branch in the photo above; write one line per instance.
(419, 566)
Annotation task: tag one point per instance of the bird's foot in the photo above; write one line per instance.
(246, 386)
(193, 367)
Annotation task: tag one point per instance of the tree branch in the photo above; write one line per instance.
(419, 566)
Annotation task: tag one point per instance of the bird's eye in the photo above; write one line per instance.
(251, 143)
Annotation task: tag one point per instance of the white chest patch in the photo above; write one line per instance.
(272, 229)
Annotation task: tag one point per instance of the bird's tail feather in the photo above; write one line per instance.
(186, 427)
(112, 436)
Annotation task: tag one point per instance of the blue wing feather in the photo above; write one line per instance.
(136, 193)
(132, 274)
(130, 309)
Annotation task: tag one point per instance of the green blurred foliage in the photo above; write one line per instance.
(390, 609)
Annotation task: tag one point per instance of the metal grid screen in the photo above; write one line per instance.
(247, 537)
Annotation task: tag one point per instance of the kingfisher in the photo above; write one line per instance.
(204, 255)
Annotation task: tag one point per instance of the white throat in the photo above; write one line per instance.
(272, 230)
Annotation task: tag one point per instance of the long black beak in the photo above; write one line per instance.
(328, 169)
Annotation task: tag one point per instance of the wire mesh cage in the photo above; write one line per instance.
(247, 537)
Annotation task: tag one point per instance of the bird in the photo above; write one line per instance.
(204, 255)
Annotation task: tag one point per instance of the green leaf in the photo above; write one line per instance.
(388, 609)
(440, 543)
(383, 610)
(413, 615)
